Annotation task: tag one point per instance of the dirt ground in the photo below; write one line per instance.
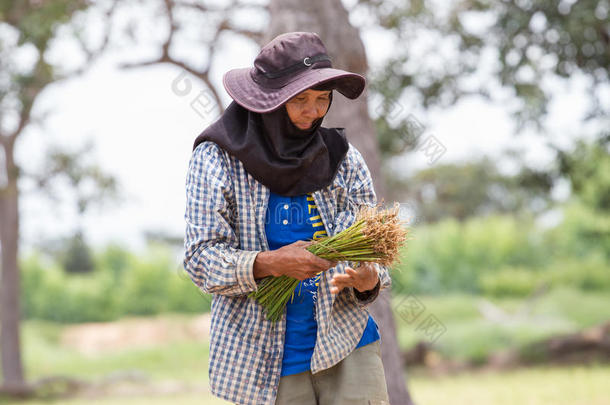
(93, 338)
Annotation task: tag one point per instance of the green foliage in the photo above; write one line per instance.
(450, 255)
(155, 285)
(114, 259)
(591, 273)
(122, 284)
(473, 337)
(498, 256)
(48, 293)
(588, 168)
(582, 232)
(463, 190)
(77, 256)
(507, 256)
(582, 309)
(529, 40)
(90, 184)
(144, 287)
(509, 281)
(36, 25)
(37, 21)
(34, 271)
(184, 296)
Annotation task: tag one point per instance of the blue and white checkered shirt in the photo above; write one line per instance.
(225, 230)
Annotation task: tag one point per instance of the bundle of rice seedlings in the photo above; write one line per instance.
(376, 236)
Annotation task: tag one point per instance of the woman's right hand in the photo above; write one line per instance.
(292, 260)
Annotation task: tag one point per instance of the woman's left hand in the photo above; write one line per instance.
(363, 278)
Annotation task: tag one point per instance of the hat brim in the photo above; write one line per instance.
(249, 94)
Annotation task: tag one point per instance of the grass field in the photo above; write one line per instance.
(518, 322)
(174, 370)
(537, 386)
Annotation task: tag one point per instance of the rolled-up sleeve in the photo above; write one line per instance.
(361, 193)
(212, 256)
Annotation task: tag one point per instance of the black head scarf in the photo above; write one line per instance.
(287, 160)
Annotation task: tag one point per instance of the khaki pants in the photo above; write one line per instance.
(358, 379)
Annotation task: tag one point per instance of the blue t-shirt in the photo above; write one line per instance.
(289, 219)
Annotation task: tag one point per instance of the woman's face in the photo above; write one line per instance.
(307, 106)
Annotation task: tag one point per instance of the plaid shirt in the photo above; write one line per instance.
(225, 230)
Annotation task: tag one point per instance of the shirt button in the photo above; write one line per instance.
(285, 222)
(285, 206)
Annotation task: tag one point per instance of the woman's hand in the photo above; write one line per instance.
(291, 260)
(363, 278)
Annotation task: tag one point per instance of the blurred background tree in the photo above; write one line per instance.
(588, 169)
(511, 53)
(527, 42)
(29, 28)
(73, 173)
(77, 257)
(473, 188)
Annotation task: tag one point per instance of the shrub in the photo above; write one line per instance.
(450, 255)
(122, 284)
(144, 288)
(184, 296)
(48, 293)
(510, 281)
(590, 273)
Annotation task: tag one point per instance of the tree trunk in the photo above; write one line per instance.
(330, 20)
(12, 368)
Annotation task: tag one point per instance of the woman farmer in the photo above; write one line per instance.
(264, 181)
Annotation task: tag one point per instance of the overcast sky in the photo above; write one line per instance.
(143, 133)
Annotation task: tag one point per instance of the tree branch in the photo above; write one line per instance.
(26, 111)
(92, 55)
(206, 9)
(200, 73)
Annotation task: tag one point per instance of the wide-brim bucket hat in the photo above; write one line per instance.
(288, 65)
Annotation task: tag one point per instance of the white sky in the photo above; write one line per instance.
(143, 134)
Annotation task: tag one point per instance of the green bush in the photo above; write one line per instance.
(122, 284)
(581, 233)
(506, 256)
(32, 271)
(113, 259)
(589, 273)
(495, 255)
(144, 288)
(76, 257)
(48, 293)
(451, 256)
(184, 296)
(511, 282)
